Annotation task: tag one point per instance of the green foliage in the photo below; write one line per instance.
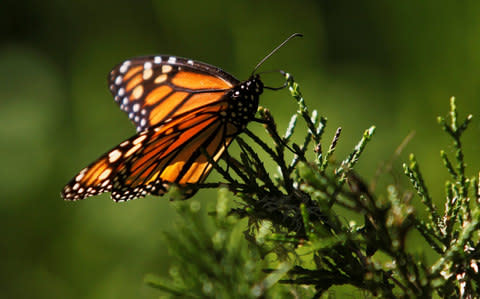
(295, 243)
(213, 259)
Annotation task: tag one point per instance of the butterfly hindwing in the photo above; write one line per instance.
(153, 89)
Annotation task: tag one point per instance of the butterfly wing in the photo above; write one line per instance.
(147, 163)
(154, 89)
(182, 109)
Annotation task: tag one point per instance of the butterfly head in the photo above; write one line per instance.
(254, 85)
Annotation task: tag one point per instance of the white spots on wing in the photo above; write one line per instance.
(162, 77)
(133, 149)
(118, 80)
(157, 59)
(147, 65)
(104, 184)
(76, 186)
(136, 107)
(105, 174)
(136, 119)
(147, 73)
(80, 191)
(124, 143)
(172, 59)
(139, 139)
(137, 92)
(125, 66)
(114, 155)
(190, 62)
(125, 101)
(131, 115)
(223, 113)
(121, 92)
(166, 68)
(143, 122)
(143, 112)
(80, 176)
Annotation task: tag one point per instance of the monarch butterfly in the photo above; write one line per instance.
(182, 109)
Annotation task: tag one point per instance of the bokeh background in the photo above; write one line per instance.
(393, 64)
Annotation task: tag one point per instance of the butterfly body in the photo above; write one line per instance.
(243, 102)
(182, 109)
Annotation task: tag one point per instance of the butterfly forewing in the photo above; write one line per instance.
(149, 161)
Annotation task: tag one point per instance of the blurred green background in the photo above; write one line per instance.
(393, 64)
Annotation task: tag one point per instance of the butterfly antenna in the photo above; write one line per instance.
(275, 50)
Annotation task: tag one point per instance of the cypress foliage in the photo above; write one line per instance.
(283, 238)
